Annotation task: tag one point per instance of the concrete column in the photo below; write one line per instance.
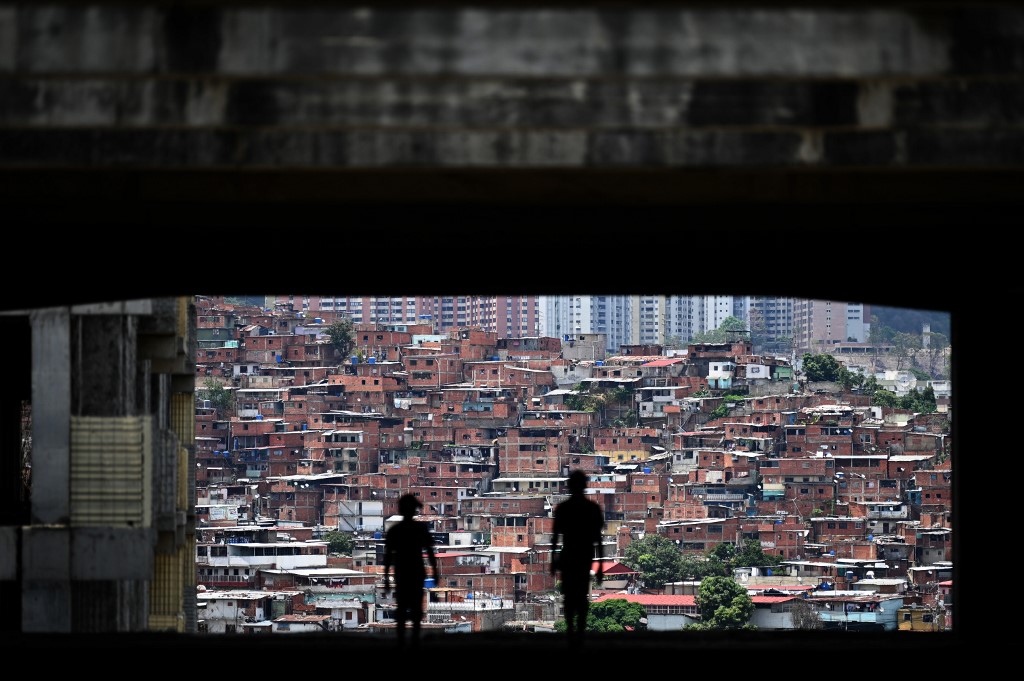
(46, 545)
(51, 416)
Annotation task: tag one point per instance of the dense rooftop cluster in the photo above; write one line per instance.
(711, 444)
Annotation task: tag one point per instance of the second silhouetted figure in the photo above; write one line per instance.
(579, 523)
(405, 544)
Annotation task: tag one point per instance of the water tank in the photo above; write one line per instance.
(647, 470)
(428, 583)
(599, 362)
(371, 360)
(259, 417)
(318, 320)
(495, 358)
(355, 359)
(377, 534)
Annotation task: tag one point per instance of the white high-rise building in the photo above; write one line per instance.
(610, 315)
(655, 319)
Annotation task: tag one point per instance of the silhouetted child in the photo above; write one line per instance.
(404, 546)
(578, 522)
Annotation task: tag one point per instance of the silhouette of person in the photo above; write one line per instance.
(578, 523)
(404, 546)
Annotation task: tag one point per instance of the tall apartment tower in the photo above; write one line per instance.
(679, 321)
(819, 323)
(770, 320)
(716, 309)
(647, 320)
(509, 316)
(362, 309)
(97, 464)
(608, 315)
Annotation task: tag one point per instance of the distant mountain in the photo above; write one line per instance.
(907, 320)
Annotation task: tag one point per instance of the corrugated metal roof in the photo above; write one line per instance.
(652, 599)
(772, 599)
(662, 363)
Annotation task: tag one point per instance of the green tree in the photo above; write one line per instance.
(342, 336)
(584, 400)
(752, 554)
(612, 615)
(725, 331)
(936, 353)
(749, 554)
(905, 346)
(699, 567)
(222, 399)
(340, 542)
(656, 558)
(804, 616)
(723, 604)
(850, 379)
(821, 367)
(920, 401)
(884, 398)
(879, 335)
(723, 551)
(672, 341)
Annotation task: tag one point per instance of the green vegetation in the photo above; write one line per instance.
(917, 400)
(222, 399)
(342, 336)
(582, 399)
(612, 615)
(749, 554)
(724, 604)
(340, 542)
(726, 332)
(657, 558)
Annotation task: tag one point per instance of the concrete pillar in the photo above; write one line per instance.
(46, 545)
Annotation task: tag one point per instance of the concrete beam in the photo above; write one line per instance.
(46, 585)
(110, 553)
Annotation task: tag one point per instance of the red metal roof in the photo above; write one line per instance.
(663, 363)
(652, 599)
(613, 567)
(772, 599)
